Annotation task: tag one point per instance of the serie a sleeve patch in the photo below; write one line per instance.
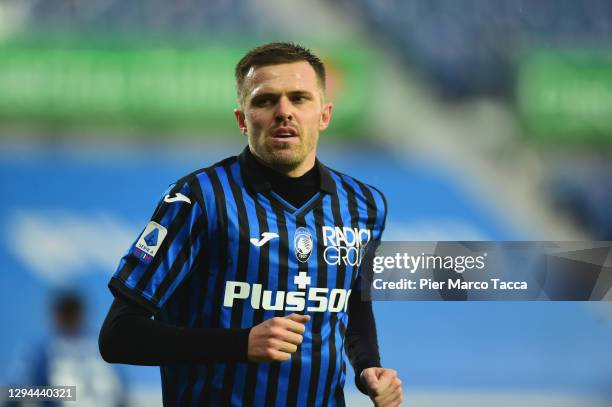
(149, 242)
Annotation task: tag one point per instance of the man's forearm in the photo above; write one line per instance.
(360, 342)
(129, 336)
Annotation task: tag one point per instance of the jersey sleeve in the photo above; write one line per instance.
(381, 213)
(379, 202)
(165, 252)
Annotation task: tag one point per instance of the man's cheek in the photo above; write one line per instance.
(256, 117)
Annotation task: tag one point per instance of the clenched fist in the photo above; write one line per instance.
(383, 386)
(275, 339)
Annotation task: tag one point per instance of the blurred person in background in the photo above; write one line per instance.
(70, 358)
(249, 266)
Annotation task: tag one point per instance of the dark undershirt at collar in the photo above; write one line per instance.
(297, 191)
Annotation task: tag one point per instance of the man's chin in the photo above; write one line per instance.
(285, 164)
(283, 157)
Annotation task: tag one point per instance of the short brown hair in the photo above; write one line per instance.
(276, 53)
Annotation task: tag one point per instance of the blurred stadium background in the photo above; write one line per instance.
(480, 120)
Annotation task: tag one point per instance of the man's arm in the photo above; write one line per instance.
(130, 336)
(380, 384)
(361, 343)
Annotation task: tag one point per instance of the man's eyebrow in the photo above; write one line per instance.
(300, 93)
(265, 94)
(275, 94)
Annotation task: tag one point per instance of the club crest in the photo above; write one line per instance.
(302, 244)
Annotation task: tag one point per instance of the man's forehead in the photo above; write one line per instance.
(293, 75)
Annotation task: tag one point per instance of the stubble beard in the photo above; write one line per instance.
(285, 158)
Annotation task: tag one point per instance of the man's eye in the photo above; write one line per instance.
(299, 99)
(263, 102)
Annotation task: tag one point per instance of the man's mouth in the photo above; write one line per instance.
(284, 133)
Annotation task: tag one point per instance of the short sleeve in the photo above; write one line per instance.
(165, 251)
(381, 213)
(364, 281)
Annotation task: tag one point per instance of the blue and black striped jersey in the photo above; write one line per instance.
(222, 250)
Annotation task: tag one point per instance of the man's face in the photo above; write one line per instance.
(283, 112)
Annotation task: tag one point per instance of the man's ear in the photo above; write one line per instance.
(240, 120)
(326, 115)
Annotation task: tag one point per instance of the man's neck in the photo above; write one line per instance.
(295, 190)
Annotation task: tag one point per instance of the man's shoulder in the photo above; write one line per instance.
(202, 175)
(196, 182)
(363, 189)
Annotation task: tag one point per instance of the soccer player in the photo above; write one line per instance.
(250, 267)
(68, 357)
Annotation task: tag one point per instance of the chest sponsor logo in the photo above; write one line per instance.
(344, 245)
(313, 299)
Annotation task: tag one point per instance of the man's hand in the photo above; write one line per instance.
(383, 386)
(275, 339)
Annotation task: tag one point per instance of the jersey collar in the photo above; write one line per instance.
(255, 178)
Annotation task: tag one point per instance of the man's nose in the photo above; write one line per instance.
(283, 110)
